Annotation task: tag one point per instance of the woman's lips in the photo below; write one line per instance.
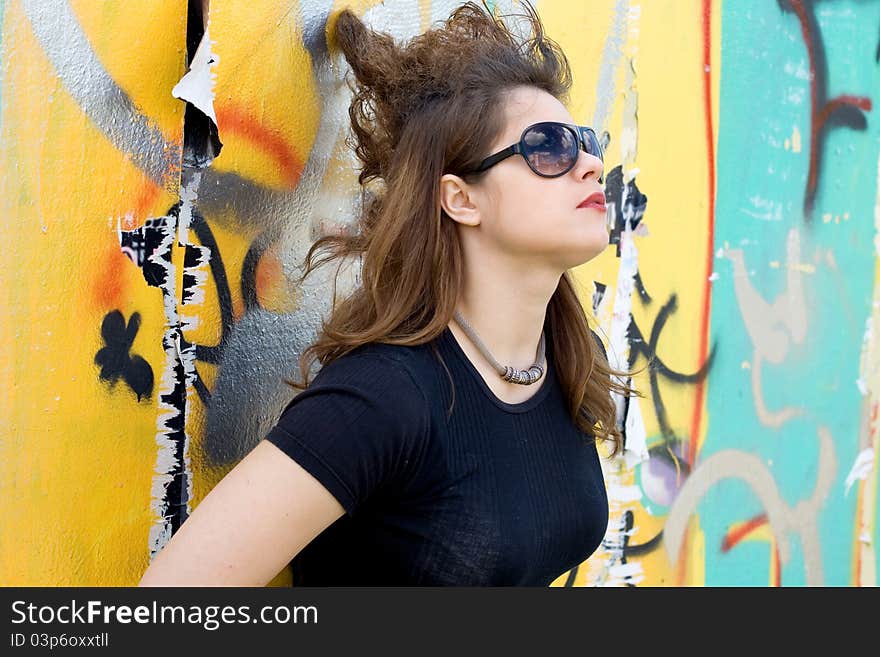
(595, 201)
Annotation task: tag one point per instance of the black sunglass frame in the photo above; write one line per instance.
(581, 134)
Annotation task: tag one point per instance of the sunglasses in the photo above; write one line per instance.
(549, 148)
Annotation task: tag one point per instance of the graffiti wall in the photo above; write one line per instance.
(164, 167)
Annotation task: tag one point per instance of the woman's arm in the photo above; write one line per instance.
(247, 529)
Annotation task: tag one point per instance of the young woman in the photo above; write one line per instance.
(448, 437)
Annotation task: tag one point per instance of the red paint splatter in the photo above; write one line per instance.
(268, 275)
(143, 205)
(734, 536)
(231, 120)
(109, 285)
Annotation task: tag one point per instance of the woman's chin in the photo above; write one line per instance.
(588, 252)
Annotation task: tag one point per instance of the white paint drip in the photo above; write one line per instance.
(636, 435)
(862, 467)
(630, 573)
(618, 355)
(624, 494)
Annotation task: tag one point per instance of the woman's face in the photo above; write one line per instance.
(532, 218)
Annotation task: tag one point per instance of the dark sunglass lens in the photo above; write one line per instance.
(550, 148)
(593, 145)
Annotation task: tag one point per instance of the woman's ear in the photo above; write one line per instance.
(457, 198)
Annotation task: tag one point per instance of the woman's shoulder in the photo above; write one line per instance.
(377, 377)
(398, 353)
(381, 363)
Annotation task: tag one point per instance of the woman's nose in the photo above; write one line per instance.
(591, 164)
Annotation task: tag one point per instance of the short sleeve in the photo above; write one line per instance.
(361, 425)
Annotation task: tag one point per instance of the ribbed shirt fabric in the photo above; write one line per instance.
(489, 494)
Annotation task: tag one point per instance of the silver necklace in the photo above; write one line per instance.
(508, 373)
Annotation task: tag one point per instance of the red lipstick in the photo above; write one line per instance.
(595, 200)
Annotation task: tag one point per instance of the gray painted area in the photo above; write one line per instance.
(263, 349)
(100, 98)
(612, 57)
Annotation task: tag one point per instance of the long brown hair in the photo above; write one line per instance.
(430, 107)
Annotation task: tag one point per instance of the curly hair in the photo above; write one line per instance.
(419, 110)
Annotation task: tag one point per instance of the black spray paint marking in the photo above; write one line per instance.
(625, 202)
(845, 110)
(114, 358)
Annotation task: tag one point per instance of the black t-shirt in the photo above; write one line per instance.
(491, 494)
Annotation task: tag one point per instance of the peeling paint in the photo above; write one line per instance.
(197, 86)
